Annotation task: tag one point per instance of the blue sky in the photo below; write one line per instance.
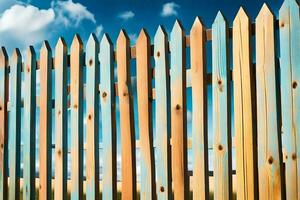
(29, 22)
(24, 23)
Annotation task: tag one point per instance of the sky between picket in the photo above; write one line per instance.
(29, 22)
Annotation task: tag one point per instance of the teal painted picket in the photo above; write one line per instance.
(94, 90)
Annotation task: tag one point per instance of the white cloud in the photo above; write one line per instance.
(99, 30)
(24, 25)
(126, 15)
(70, 13)
(170, 9)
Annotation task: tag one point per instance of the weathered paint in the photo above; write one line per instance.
(45, 122)
(243, 117)
(199, 112)
(289, 32)
(29, 125)
(126, 118)
(162, 116)
(221, 110)
(108, 119)
(76, 93)
(14, 130)
(144, 102)
(269, 170)
(3, 123)
(61, 121)
(178, 113)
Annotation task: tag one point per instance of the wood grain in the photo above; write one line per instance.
(269, 166)
(126, 118)
(199, 112)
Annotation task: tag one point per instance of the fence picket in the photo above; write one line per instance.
(45, 122)
(267, 128)
(243, 117)
(144, 97)
(14, 124)
(162, 111)
(178, 113)
(108, 119)
(76, 94)
(126, 118)
(221, 110)
(289, 31)
(92, 121)
(29, 125)
(61, 120)
(3, 123)
(199, 118)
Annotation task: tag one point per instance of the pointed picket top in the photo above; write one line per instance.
(264, 13)
(122, 36)
(160, 32)
(289, 4)
(16, 56)
(45, 49)
(31, 56)
(76, 43)
(219, 18)
(241, 17)
(31, 51)
(3, 57)
(143, 37)
(106, 41)
(61, 44)
(92, 41)
(197, 26)
(177, 28)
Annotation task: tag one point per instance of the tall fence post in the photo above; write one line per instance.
(221, 110)
(289, 31)
(269, 166)
(14, 124)
(29, 125)
(3, 123)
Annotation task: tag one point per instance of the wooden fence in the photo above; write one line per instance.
(266, 104)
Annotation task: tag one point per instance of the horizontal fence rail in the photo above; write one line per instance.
(82, 123)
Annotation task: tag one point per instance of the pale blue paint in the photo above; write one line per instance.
(290, 97)
(220, 101)
(29, 125)
(108, 118)
(14, 131)
(162, 118)
(92, 106)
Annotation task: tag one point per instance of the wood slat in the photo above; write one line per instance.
(76, 125)
(145, 116)
(199, 113)
(45, 122)
(108, 119)
(3, 123)
(29, 125)
(126, 118)
(243, 105)
(61, 121)
(221, 110)
(267, 128)
(92, 121)
(162, 116)
(14, 125)
(178, 113)
(289, 31)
